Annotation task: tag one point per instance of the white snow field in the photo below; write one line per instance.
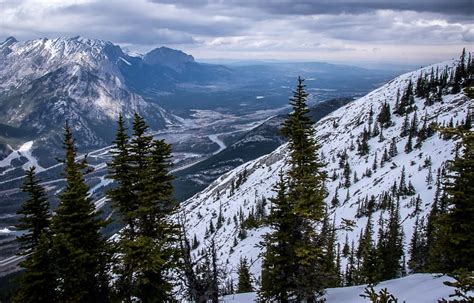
(417, 288)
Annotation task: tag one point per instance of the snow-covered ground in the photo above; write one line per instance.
(335, 133)
(24, 151)
(417, 288)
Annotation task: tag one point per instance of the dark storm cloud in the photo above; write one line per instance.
(322, 7)
(136, 25)
(252, 28)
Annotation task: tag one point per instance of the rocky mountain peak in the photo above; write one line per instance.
(171, 58)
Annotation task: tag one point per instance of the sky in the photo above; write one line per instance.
(389, 31)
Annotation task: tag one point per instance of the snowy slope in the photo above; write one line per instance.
(335, 134)
(417, 288)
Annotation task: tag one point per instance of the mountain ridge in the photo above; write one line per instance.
(242, 191)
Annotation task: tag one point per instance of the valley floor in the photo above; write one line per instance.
(416, 288)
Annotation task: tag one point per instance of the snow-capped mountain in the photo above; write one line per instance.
(233, 196)
(43, 82)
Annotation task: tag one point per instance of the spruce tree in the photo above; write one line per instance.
(306, 192)
(304, 197)
(418, 248)
(245, 282)
(390, 248)
(392, 152)
(143, 197)
(38, 281)
(34, 213)
(80, 251)
(278, 263)
(368, 255)
(124, 201)
(457, 222)
(154, 249)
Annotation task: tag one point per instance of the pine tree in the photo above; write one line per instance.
(384, 117)
(393, 148)
(369, 262)
(124, 201)
(306, 199)
(391, 246)
(405, 126)
(402, 188)
(34, 213)
(80, 251)
(278, 263)
(457, 222)
(143, 197)
(418, 248)
(245, 282)
(38, 281)
(409, 145)
(154, 248)
(347, 175)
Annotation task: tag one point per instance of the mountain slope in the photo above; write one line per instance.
(239, 192)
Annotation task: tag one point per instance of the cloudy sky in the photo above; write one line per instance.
(390, 31)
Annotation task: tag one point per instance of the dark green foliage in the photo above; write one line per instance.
(34, 213)
(456, 222)
(407, 101)
(418, 248)
(38, 281)
(79, 250)
(384, 117)
(292, 262)
(369, 270)
(363, 143)
(347, 175)
(245, 282)
(143, 197)
(390, 245)
(279, 257)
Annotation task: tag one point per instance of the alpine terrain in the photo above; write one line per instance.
(383, 158)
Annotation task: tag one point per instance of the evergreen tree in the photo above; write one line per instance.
(384, 117)
(418, 248)
(34, 213)
(279, 258)
(457, 222)
(409, 145)
(154, 249)
(347, 175)
(80, 251)
(124, 201)
(393, 148)
(38, 281)
(143, 197)
(391, 246)
(305, 197)
(245, 282)
(368, 255)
